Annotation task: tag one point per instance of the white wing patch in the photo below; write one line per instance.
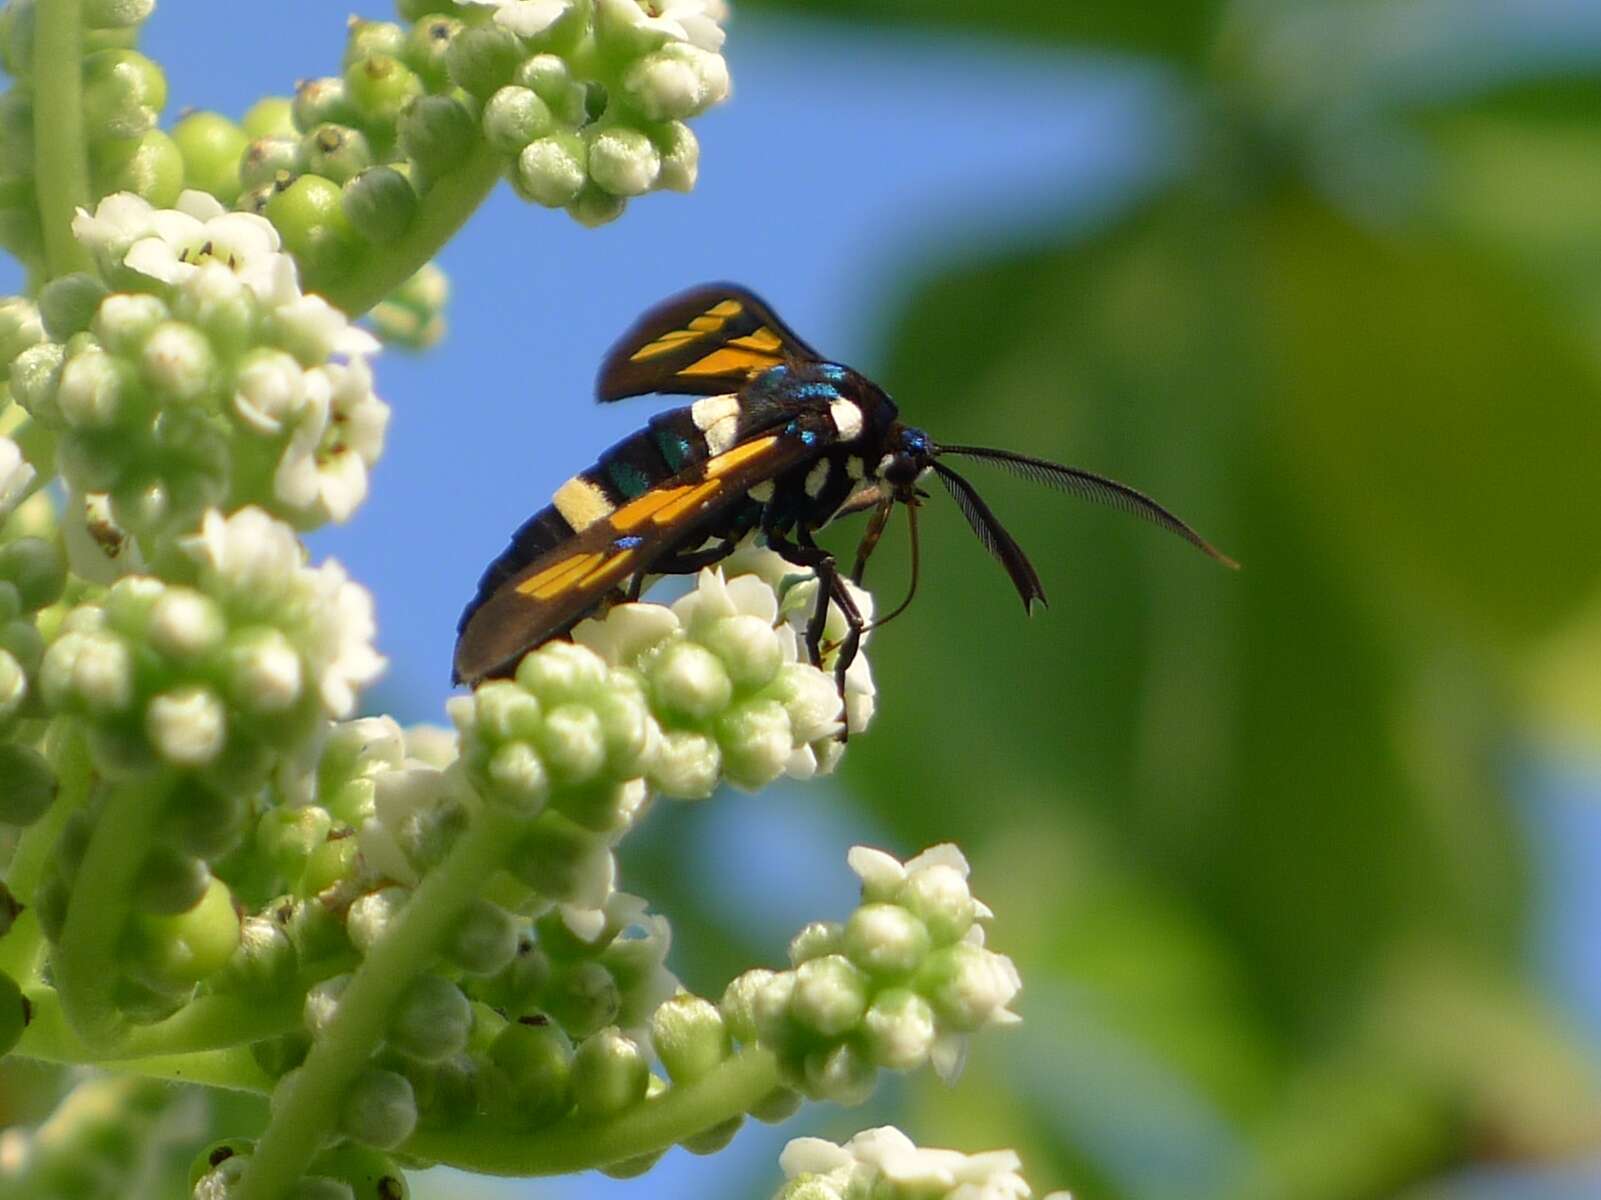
(847, 419)
(581, 503)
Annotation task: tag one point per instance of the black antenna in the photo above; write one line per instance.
(996, 540)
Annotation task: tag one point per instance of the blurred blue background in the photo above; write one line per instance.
(872, 175)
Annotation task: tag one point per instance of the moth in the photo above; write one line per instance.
(781, 442)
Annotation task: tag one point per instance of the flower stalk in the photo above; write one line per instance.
(62, 164)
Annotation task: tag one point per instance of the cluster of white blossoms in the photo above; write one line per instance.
(248, 660)
(194, 373)
(885, 1164)
(905, 981)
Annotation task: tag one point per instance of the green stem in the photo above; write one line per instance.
(61, 168)
(578, 1144)
(443, 211)
(69, 757)
(306, 1107)
(210, 1023)
(232, 1068)
(100, 903)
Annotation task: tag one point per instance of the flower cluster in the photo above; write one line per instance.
(586, 100)
(204, 377)
(885, 1164)
(223, 676)
(903, 982)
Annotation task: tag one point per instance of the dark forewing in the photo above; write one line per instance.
(519, 608)
(710, 339)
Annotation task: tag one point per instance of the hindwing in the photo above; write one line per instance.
(710, 339)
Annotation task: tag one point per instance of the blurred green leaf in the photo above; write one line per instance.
(1175, 29)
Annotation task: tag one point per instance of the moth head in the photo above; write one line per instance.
(908, 456)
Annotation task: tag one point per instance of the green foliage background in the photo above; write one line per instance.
(1252, 837)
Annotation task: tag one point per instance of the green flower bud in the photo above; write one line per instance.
(534, 1063)
(506, 712)
(815, 940)
(123, 93)
(116, 14)
(16, 132)
(215, 1157)
(885, 940)
(67, 303)
(412, 316)
(36, 569)
(688, 765)
(573, 743)
(181, 950)
(277, 1056)
(379, 1109)
(27, 784)
(369, 38)
(151, 168)
(287, 836)
(437, 133)
(757, 742)
(632, 1168)
(271, 116)
(380, 86)
(372, 915)
(519, 984)
(209, 823)
(211, 146)
(900, 1029)
(715, 1139)
(170, 882)
(777, 1106)
(417, 10)
(371, 1175)
(676, 82)
(583, 998)
(320, 1187)
(549, 77)
(514, 117)
(563, 672)
(432, 1020)
(322, 1004)
(610, 1074)
(428, 49)
(739, 1001)
(125, 320)
(551, 170)
(689, 1036)
(320, 102)
(94, 390)
(485, 940)
(264, 965)
(688, 680)
(938, 894)
(841, 1074)
(187, 725)
(334, 862)
(17, 22)
(968, 985)
(380, 204)
(273, 159)
(21, 326)
(336, 152)
(179, 365)
(483, 58)
(594, 206)
(518, 777)
(830, 995)
(310, 217)
(35, 378)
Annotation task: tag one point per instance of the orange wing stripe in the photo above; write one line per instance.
(637, 512)
(555, 579)
(764, 340)
(726, 359)
(614, 566)
(744, 452)
(701, 491)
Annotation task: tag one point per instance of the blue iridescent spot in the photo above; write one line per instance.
(815, 391)
(831, 371)
(773, 374)
(675, 450)
(914, 440)
(808, 437)
(630, 480)
(628, 543)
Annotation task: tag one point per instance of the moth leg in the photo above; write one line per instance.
(683, 563)
(803, 552)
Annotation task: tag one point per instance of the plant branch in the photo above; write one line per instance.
(306, 1108)
(61, 167)
(578, 1144)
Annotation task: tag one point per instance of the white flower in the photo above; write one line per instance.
(885, 1162)
(526, 18)
(697, 22)
(16, 477)
(171, 244)
(338, 435)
